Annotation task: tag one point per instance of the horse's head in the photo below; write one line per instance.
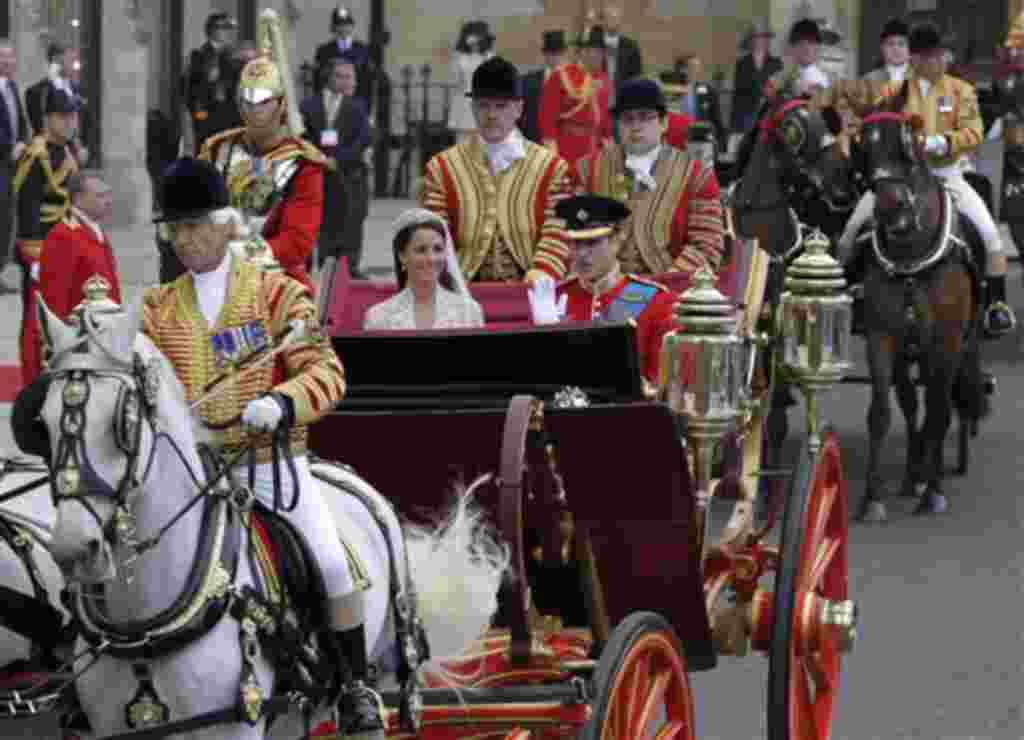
(792, 158)
(96, 410)
(892, 160)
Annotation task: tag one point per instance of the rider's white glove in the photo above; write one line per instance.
(263, 414)
(543, 307)
(936, 145)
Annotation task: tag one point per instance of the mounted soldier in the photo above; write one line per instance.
(274, 176)
(948, 110)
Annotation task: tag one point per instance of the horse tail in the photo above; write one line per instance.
(456, 567)
(970, 396)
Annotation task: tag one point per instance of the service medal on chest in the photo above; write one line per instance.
(234, 344)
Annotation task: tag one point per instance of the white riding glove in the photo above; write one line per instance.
(936, 145)
(263, 414)
(543, 307)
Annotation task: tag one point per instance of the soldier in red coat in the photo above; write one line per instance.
(573, 117)
(600, 291)
(78, 249)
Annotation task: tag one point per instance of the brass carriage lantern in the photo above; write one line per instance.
(704, 372)
(815, 323)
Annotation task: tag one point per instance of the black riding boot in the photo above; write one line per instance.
(999, 318)
(360, 714)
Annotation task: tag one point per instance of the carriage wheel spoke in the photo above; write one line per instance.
(823, 559)
(823, 512)
(674, 730)
(817, 673)
(656, 697)
(803, 703)
(638, 692)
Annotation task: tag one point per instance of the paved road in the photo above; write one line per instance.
(941, 654)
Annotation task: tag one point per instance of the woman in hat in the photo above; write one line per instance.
(474, 47)
(753, 69)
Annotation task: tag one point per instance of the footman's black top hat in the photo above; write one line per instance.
(59, 101)
(591, 216)
(805, 30)
(496, 78)
(895, 27)
(191, 188)
(554, 41)
(640, 94)
(924, 38)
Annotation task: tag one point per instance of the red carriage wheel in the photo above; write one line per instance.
(814, 624)
(641, 686)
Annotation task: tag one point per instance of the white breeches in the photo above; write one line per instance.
(312, 517)
(967, 201)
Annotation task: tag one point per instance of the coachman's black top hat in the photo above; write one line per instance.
(59, 101)
(895, 27)
(805, 30)
(496, 78)
(925, 38)
(591, 216)
(191, 188)
(554, 42)
(640, 93)
(219, 20)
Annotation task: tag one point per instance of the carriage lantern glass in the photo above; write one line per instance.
(815, 316)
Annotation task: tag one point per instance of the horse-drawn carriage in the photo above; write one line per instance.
(603, 496)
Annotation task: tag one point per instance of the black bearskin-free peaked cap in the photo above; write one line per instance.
(191, 188)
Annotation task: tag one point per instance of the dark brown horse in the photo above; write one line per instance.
(920, 307)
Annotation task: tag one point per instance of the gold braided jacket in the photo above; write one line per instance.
(309, 372)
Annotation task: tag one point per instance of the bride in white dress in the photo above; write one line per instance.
(432, 292)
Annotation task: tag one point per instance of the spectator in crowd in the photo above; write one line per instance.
(211, 80)
(63, 74)
(701, 100)
(753, 69)
(804, 76)
(574, 119)
(674, 198)
(497, 191)
(432, 292)
(674, 88)
(337, 123)
(39, 184)
(343, 26)
(78, 249)
(553, 49)
(624, 60)
(15, 134)
(895, 54)
(474, 47)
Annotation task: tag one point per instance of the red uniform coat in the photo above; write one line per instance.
(71, 255)
(644, 301)
(573, 116)
(677, 130)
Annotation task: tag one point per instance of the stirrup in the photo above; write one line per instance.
(987, 320)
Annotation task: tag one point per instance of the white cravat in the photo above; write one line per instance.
(96, 229)
(211, 289)
(897, 72)
(332, 101)
(642, 166)
(507, 153)
(811, 73)
(924, 85)
(344, 44)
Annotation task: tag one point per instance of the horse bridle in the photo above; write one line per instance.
(883, 174)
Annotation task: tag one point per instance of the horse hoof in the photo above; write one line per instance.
(932, 503)
(873, 511)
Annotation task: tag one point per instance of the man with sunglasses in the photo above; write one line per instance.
(948, 107)
(276, 178)
(676, 223)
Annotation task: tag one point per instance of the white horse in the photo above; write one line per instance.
(457, 592)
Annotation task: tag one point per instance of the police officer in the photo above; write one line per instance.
(343, 25)
(211, 80)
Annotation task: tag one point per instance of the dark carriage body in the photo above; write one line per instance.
(425, 410)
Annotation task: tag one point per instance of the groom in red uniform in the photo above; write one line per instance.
(600, 291)
(78, 249)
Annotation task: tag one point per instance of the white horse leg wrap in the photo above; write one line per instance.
(974, 208)
(347, 612)
(859, 217)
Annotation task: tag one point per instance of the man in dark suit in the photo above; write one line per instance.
(211, 81)
(337, 123)
(753, 70)
(64, 75)
(14, 137)
(624, 59)
(554, 50)
(343, 26)
(700, 102)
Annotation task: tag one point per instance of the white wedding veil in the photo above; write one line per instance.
(421, 217)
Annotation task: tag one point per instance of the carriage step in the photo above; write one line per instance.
(570, 692)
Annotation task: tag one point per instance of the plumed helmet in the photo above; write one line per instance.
(260, 81)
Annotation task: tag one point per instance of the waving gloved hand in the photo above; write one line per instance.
(263, 414)
(543, 307)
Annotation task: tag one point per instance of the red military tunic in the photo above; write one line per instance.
(677, 130)
(292, 203)
(71, 255)
(631, 297)
(573, 117)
